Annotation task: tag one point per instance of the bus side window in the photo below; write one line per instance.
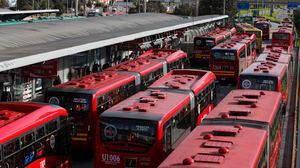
(51, 126)
(284, 82)
(40, 132)
(27, 139)
(101, 104)
(11, 147)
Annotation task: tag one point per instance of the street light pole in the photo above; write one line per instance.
(224, 5)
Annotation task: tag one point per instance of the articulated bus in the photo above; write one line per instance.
(203, 45)
(220, 146)
(256, 109)
(271, 76)
(33, 135)
(264, 26)
(85, 98)
(232, 57)
(143, 129)
(175, 59)
(249, 29)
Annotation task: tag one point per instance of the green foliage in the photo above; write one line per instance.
(184, 10)
(208, 7)
(99, 4)
(60, 6)
(297, 19)
(89, 4)
(24, 5)
(155, 7)
(3, 3)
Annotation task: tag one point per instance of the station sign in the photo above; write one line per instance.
(243, 5)
(292, 5)
(47, 69)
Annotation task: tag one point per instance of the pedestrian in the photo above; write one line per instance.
(56, 81)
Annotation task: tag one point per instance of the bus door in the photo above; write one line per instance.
(167, 140)
(242, 57)
(249, 56)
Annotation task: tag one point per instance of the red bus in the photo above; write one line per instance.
(175, 59)
(33, 135)
(232, 57)
(200, 82)
(283, 36)
(264, 26)
(204, 44)
(85, 98)
(220, 146)
(256, 109)
(146, 70)
(143, 129)
(270, 76)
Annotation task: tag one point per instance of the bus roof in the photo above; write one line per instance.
(203, 147)
(141, 65)
(153, 105)
(265, 69)
(169, 55)
(229, 45)
(247, 27)
(185, 79)
(274, 57)
(246, 107)
(283, 30)
(16, 118)
(100, 82)
(217, 33)
(277, 49)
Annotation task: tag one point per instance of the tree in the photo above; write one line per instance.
(3, 3)
(297, 19)
(184, 10)
(208, 7)
(24, 5)
(157, 7)
(99, 4)
(60, 6)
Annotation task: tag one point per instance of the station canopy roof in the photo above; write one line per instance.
(26, 44)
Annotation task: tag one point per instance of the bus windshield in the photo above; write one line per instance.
(224, 55)
(280, 36)
(77, 103)
(136, 133)
(257, 33)
(262, 26)
(204, 42)
(258, 82)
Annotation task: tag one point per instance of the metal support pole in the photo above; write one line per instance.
(126, 6)
(197, 8)
(224, 6)
(139, 6)
(76, 8)
(145, 6)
